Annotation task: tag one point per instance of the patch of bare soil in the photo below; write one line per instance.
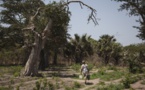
(138, 85)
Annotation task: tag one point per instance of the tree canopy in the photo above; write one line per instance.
(135, 8)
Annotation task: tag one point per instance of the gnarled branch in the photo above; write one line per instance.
(92, 16)
(45, 32)
(31, 25)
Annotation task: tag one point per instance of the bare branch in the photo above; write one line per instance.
(91, 16)
(47, 28)
(31, 25)
(45, 32)
(37, 12)
(81, 6)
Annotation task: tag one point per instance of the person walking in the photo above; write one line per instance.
(85, 71)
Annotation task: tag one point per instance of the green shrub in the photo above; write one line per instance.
(127, 81)
(130, 79)
(45, 83)
(42, 84)
(6, 88)
(12, 56)
(18, 88)
(14, 70)
(135, 67)
(111, 87)
(38, 85)
(93, 76)
(68, 88)
(111, 67)
(77, 85)
(102, 71)
(16, 74)
(76, 67)
(90, 66)
(57, 85)
(51, 86)
(102, 74)
(101, 83)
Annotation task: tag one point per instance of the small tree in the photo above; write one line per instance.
(108, 48)
(79, 48)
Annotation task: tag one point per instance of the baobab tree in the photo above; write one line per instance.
(31, 67)
(36, 21)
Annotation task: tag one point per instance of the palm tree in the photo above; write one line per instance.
(117, 52)
(79, 48)
(108, 48)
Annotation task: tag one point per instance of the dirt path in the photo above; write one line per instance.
(138, 85)
(91, 83)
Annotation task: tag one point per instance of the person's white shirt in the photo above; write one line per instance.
(84, 68)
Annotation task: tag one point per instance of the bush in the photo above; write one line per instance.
(90, 66)
(134, 63)
(127, 81)
(6, 88)
(102, 74)
(51, 86)
(111, 87)
(130, 79)
(111, 67)
(76, 67)
(13, 70)
(12, 57)
(135, 66)
(38, 85)
(77, 85)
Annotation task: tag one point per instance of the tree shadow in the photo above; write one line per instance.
(89, 83)
(59, 71)
(61, 75)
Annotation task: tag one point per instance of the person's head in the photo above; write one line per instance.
(83, 62)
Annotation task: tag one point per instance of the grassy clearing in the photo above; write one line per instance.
(10, 70)
(102, 86)
(107, 76)
(104, 73)
(110, 87)
(6, 88)
(44, 84)
(76, 67)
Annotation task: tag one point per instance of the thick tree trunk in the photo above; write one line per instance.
(106, 60)
(46, 57)
(26, 56)
(55, 57)
(31, 68)
(43, 59)
(116, 61)
(78, 58)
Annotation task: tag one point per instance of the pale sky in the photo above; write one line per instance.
(112, 22)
